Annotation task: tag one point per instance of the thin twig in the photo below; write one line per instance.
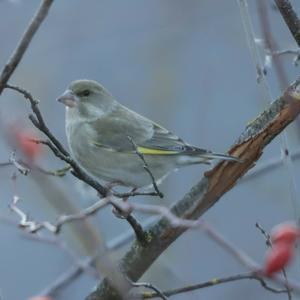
(5, 164)
(148, 285)
(23, 169)
(141, 235)
(265, 234)
(268, 166)
(127, 236)
(23, 44)
(55, 228)
(57, 173)
(250, 36)
(213, 282)
(38, 120)
(146, 167)
(294, 52)
(133, 194)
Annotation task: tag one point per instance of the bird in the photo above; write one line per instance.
(113, 143)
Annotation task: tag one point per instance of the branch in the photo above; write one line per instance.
(148, 285)
(22, 168)
(18, 53)
(213, 282)
(215, 183)
(290, 17)
(146, 167)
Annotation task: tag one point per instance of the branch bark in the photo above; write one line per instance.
(290, 17)
(210, 188)
(18, 53)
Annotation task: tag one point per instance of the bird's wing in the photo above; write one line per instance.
(164, 142)
(122, 127)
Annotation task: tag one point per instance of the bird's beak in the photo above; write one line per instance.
(68, 98)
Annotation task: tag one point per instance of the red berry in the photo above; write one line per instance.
(285, 233)
(277, 258)
(31, 149)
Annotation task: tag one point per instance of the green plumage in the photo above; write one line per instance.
(103, 136)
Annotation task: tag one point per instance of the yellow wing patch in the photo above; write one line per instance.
(142, 150)
(149, 151)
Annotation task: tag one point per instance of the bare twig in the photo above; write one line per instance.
(18, 53)
(23, 169)
(89, 211)
(141, 235)
(213, 282)
(294, 52)
(268, 166)
(55, 228)
(265, 234)
(26, 222)
(5, 164)
(270, 43)
(250, 36)
(127, 236)
(57, 173)
(146, 167)
(37, 119)
(148, 285)
(133, 194)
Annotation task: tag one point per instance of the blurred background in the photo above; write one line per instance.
(184, 64)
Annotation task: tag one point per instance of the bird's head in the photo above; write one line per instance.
(86, 98)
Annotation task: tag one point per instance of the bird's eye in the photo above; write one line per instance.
(85, 93)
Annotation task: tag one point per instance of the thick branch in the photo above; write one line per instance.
(18, 53)
(290, 17)
(210, 188)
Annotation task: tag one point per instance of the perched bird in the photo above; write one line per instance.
(104, 135)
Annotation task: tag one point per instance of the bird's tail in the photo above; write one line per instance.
(201, 156)
(211, 155)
